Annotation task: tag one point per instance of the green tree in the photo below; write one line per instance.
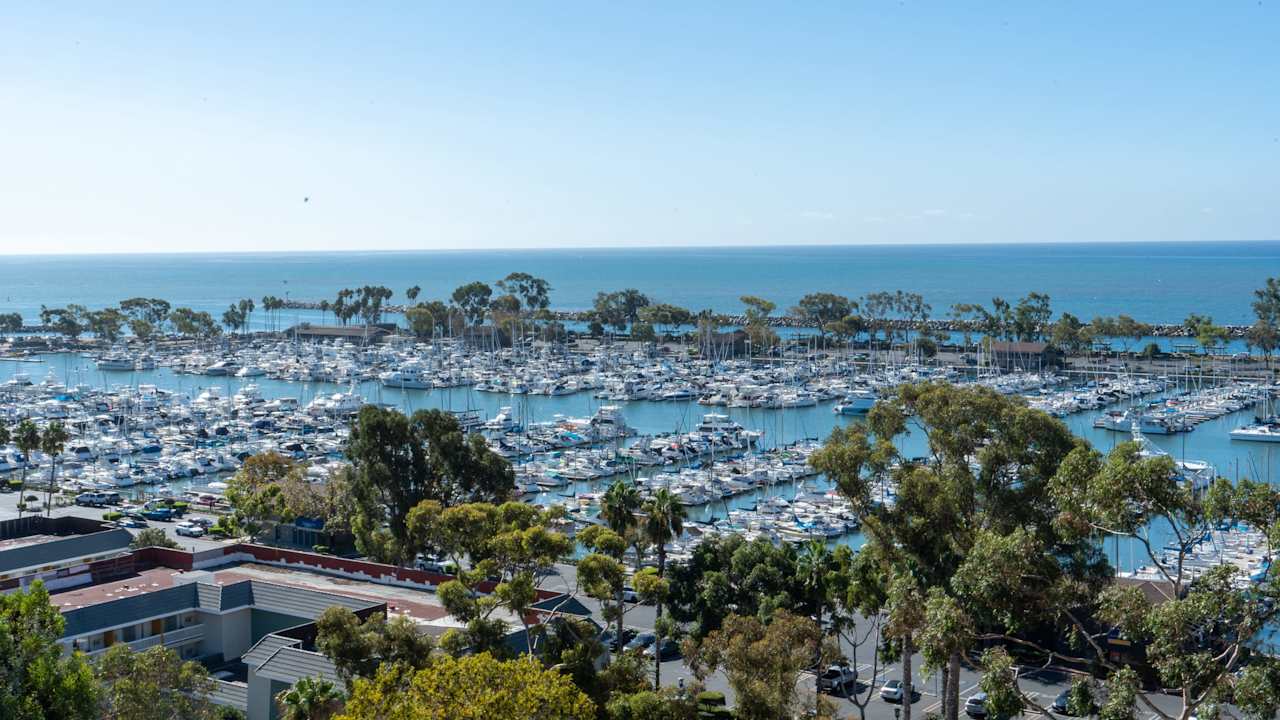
(990, 460)
(38, 681)
(757, 325)
(310, 698)
(477, 686)
(27, 438)
(664, 518)
(1031, 316)
(762, 662)
(154, 684)
(358, 648)
(52, 441)
(412, 293)
(1264, 336)
(68, 322)
(400, 461)
(256, 492)
(473, 299)
(821, 309)
(601, 574)
(534, 292)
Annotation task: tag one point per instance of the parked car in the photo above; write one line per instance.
(129, 521)
(629, 595)
(158, 513)
(976, 706)
(892, 691)
(91, 499)
(189, 529)
(642, 641)
(837, 677)
(670, 649)
(203, 522)
(111, 497)
(1061, 703)
(607, 638)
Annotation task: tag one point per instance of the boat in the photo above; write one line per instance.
(1262, 431)
(857, 402)
(115, 362)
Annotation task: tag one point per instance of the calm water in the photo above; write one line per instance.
(1155, 282)
(1209, 441)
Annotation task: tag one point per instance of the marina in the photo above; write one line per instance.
(727, 437)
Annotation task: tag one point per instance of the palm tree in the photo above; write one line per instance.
(310, 699)
(618, 508)
(27, 438)
(663, 522)
(812, 569)
(51, 443)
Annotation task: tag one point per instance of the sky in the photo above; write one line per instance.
(243, 126)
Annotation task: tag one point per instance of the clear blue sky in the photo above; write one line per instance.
(202, 126)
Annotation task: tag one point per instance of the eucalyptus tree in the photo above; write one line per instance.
(1265, 337)
(473, 299)
(817, 310)
(757, 325)
(989, 461)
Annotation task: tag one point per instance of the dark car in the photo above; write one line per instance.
(159, 513)
(670, 649)
(642, 641)
(607, 638)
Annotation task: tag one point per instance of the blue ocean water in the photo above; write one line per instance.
(1155, 282)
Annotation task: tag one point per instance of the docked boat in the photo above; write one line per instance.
(1264, 431)
(857, 402)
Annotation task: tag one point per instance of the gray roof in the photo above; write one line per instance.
(302, 603)
(237, 595)
(266, 647)
(133, 608)
(288, 665)
(67, 548)
(231, 694)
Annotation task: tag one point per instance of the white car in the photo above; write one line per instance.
(189, 529)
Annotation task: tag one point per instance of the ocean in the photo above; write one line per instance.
(1154, 282)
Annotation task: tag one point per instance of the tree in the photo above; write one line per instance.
(820, 309)
(1128, 329)
(1267, 302)
(425, 318)
(358, 648)
(38, 681)
(534, 292)
(1265, 337)
(27, 437)
(757, 326)
(52, 441)
(990, 460)
(154, 684)
(476, 686)
(400, 461)
(10, 322)
(152, 537)
(1205, 332)
(310, 699)
(762, 662)
(663, 315)
(664, 517)
(189, 323)
(1031, 316)
(105, 323)
(601, 574)
(412, 293)
(256, 492)
(68, 321)
(473, 299)
(1067, 334)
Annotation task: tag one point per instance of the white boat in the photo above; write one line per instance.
(407, 378)
(857, 402)
(115, 362)
(249, 371)
(1258, 432)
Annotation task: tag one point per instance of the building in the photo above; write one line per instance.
(1030, 356)
(247, 612)
(359, 334)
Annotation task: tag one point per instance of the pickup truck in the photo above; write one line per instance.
(838, 678)
(158, 513)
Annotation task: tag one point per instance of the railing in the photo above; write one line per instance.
(170, 638)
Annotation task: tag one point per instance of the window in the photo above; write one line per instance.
(129, 634)
(171, 623)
